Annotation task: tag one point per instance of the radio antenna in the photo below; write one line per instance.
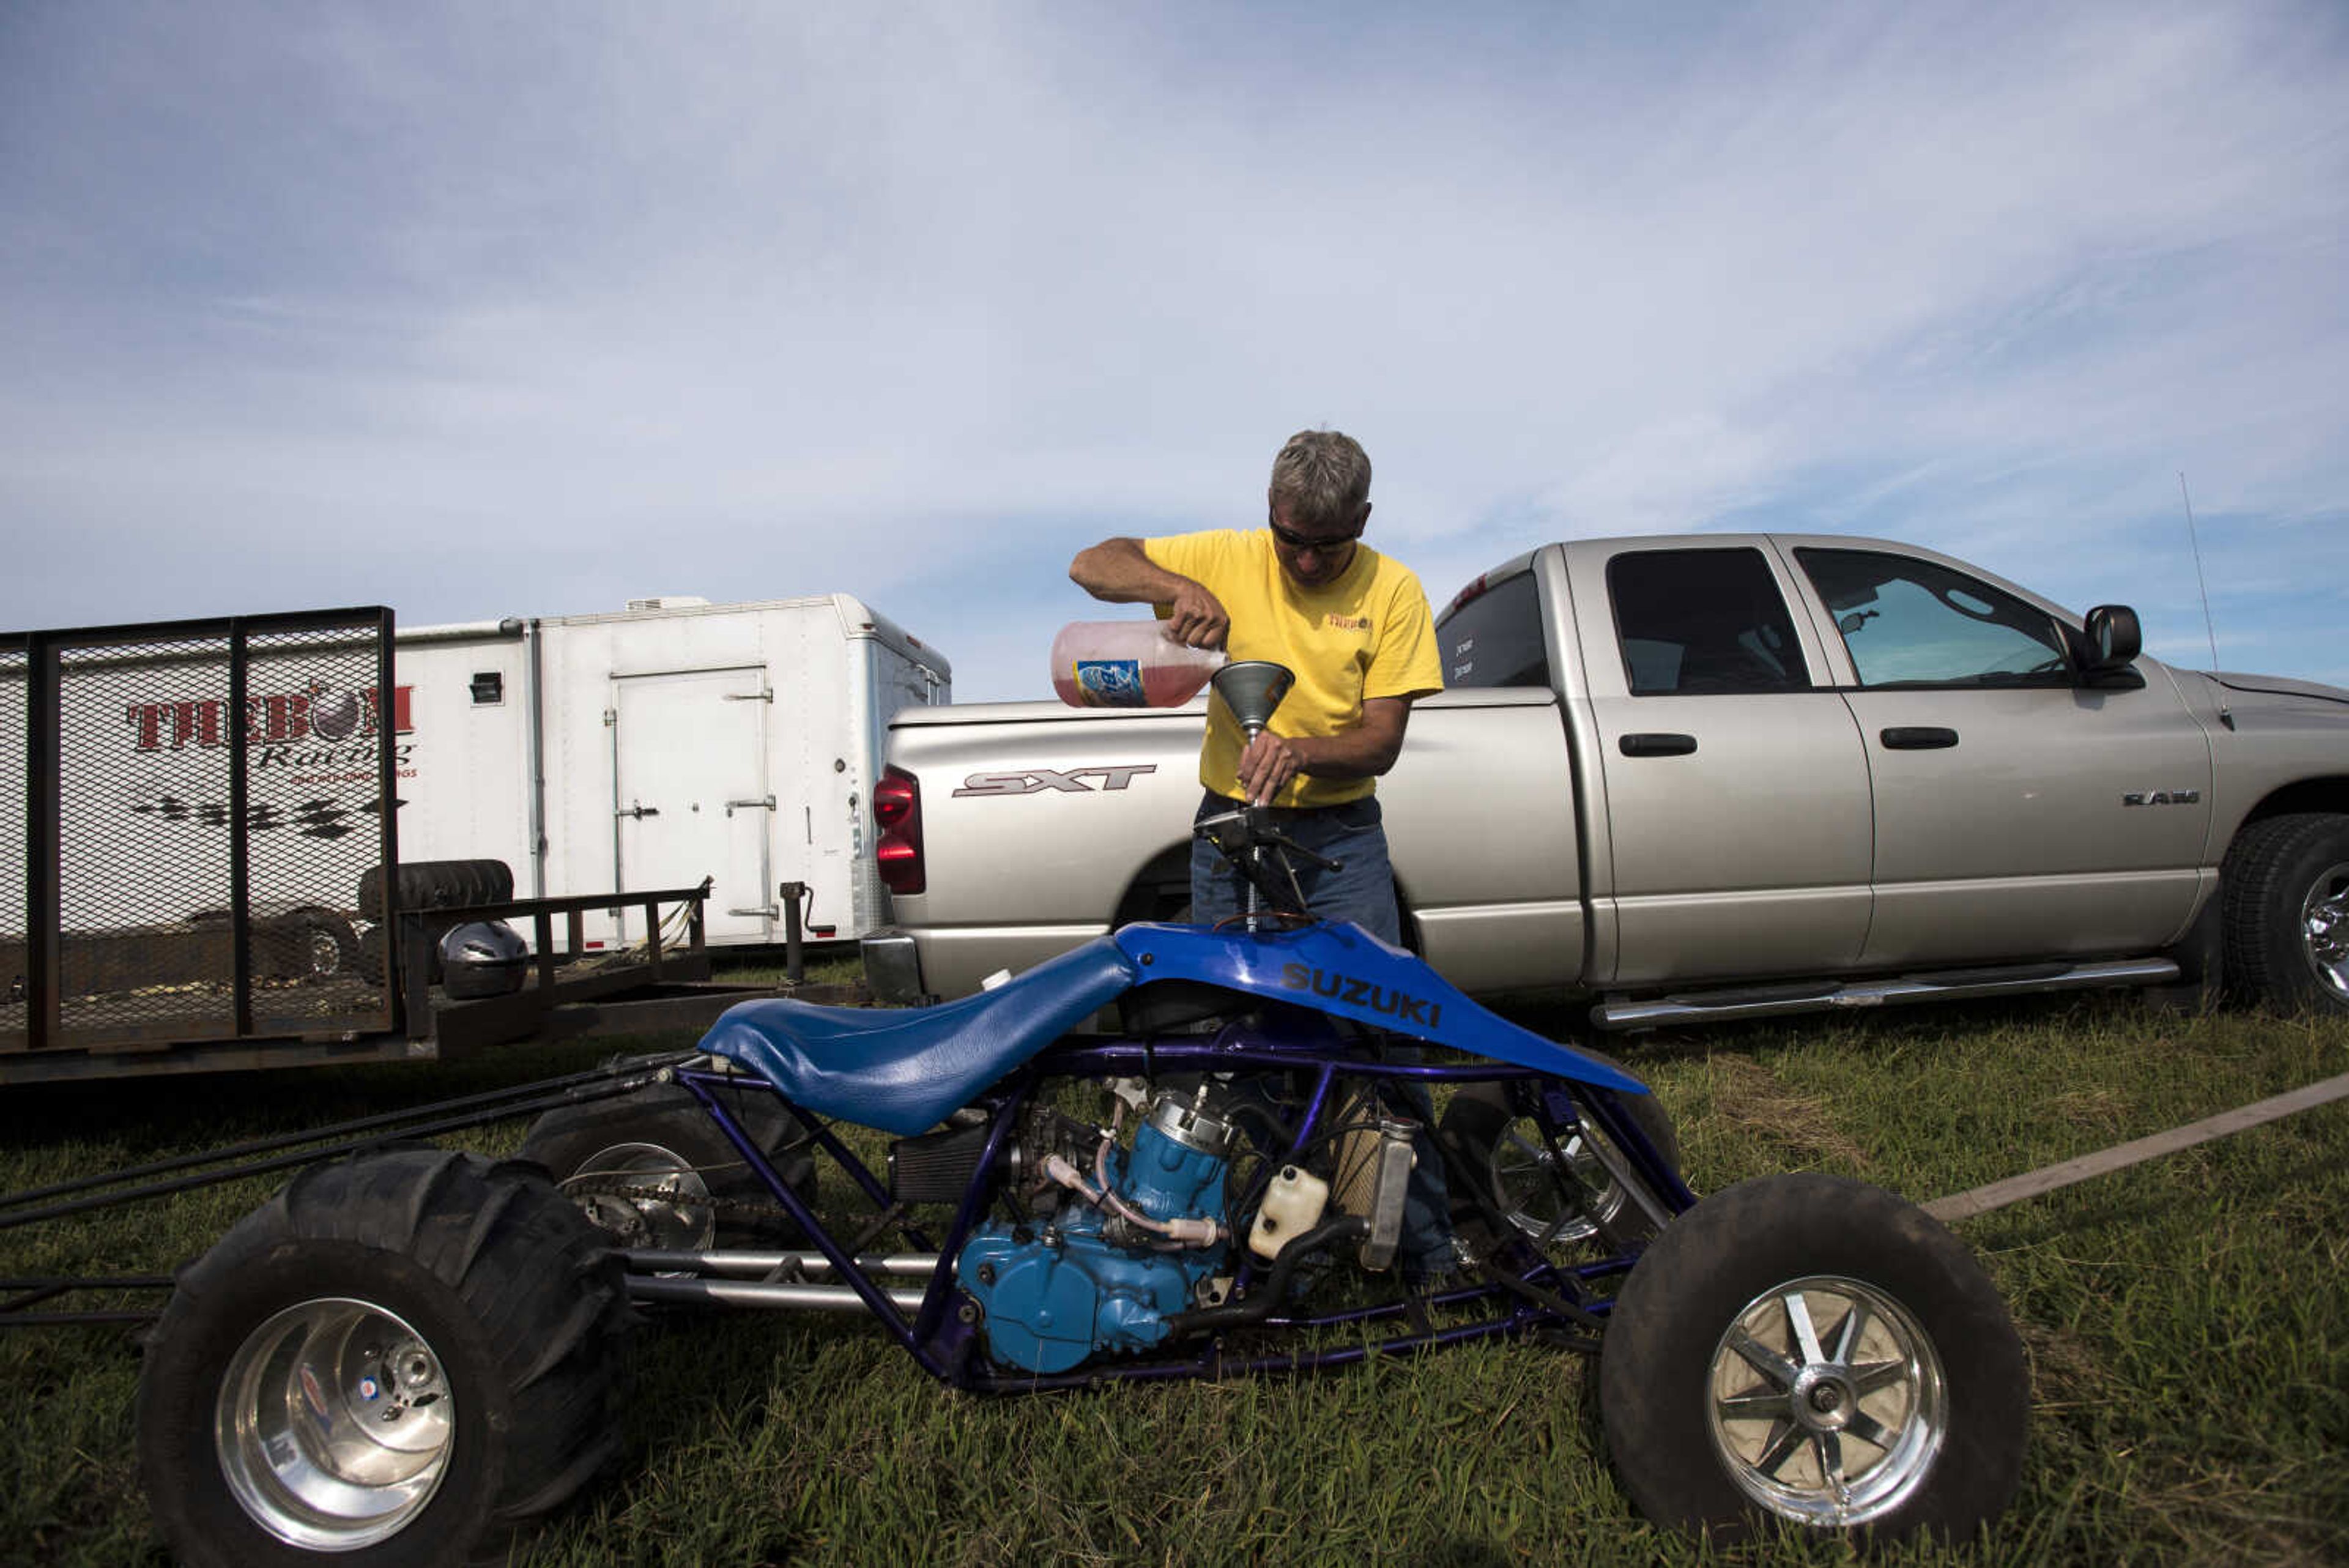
(2209, 628)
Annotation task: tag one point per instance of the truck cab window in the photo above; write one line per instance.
(1495, 638)
(1702, 621)
(1908, 622)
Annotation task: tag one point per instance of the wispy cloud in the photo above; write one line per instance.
(484, 313)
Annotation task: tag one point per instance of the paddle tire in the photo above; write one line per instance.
(1809, 1353)
(392, 1363)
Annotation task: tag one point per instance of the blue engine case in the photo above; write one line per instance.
(1054, 1299)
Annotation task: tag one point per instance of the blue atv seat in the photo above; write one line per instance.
(905, 1070)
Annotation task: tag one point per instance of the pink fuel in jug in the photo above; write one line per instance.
(1128, 664)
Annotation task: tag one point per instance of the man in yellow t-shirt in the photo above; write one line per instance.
(1354, 627)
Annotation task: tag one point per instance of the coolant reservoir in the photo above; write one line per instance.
(1292, 1205)
(1128, 664)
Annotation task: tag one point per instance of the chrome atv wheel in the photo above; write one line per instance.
(2283, 893)
(1555, 1193)
(333, 1424)
(390, 1364)
(1810, 1351)
(1828, 1403)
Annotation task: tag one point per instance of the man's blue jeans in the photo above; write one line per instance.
(1361, 890)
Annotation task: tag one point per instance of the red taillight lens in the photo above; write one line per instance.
(1467, 596)
(897, 807)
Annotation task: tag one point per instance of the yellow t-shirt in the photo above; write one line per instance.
(1368, 634)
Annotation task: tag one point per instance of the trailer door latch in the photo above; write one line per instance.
(766, 802)
(639, 812)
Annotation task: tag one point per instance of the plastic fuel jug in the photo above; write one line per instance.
(1128, 664)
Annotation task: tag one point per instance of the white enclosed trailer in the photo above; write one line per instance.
(652, 747)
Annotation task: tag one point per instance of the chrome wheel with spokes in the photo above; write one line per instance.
(1553, 1190)
(1828, 1402)
(1539, 1198)
(335, 1424)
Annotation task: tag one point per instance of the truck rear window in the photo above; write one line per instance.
(1495, 638)
(1703, 620)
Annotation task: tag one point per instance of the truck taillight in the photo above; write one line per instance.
(897, 807)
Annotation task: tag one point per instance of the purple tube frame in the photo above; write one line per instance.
(948, 1349)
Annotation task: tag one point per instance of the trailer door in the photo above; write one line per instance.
(691, 797)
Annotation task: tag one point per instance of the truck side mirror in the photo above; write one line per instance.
(2113, 639)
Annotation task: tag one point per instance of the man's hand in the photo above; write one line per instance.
(1119, 572)
(1199, 619)
(1269, 761)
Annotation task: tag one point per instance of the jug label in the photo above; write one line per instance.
(1110, 682)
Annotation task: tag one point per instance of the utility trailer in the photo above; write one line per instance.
(197, 871)
(670, 744)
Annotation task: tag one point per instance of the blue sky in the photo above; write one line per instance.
(485, 310)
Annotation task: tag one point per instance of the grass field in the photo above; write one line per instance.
(2187, 1324)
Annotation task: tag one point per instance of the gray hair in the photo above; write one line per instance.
(1322, 480)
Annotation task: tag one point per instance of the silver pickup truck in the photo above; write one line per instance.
(1713, 776)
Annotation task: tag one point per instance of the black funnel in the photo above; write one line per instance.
(1252, 689)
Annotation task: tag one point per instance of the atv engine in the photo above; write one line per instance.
(1102, 1269)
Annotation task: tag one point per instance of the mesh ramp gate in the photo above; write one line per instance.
(186, 812)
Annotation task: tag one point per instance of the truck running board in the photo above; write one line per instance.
(1618, 1013)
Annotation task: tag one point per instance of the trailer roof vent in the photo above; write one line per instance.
(668, 601)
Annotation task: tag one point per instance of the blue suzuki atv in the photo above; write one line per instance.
(404, 1355)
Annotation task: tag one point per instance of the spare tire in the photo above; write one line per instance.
(439, 885)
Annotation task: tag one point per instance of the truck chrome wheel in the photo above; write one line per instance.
(1827, 1404)
(667, 1205)
(2325, 929)
(333, 1424)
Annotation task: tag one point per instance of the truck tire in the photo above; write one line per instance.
(1794, 1331)
(393, 1362)
(2284, 894)
(687, 1178)
(1511, 1162)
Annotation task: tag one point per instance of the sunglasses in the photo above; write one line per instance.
(1287, 539)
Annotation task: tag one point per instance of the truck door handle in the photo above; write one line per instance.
(1917, 738)
(639, 812)
(1657, 746)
